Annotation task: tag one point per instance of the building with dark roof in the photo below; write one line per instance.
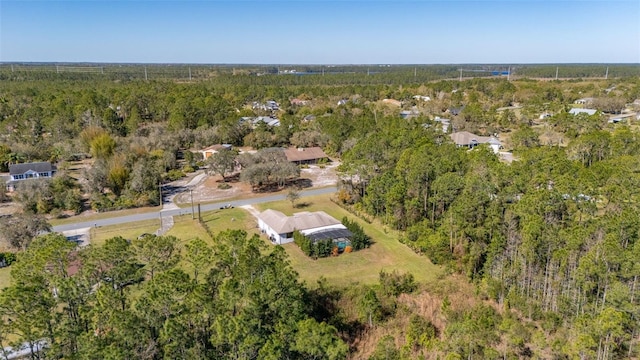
(26, 171)
(309, 155)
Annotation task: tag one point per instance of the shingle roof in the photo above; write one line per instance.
(465, 138)
(282, 224)
(304, 154)
(16, 169)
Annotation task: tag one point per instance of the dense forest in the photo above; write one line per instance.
(549, 243)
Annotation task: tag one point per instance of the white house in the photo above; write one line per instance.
(37, 170)
(576, 111)
(207, 152)
(317, 225)
(584, 101)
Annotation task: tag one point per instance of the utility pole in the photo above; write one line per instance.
(509, 73)
(606, 75)
(189, 73)
(145, 74)
(415, 72)
(460, 74)
(199, 215)
(557, 72)
(57, 70)
(193, 215)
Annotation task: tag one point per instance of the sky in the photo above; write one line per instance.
(321, 32)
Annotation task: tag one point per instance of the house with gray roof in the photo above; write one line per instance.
(26, 171)
(471, 140)
(316, 225)
(576, 111)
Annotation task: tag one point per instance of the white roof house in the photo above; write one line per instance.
(584, 101)
(279, 227)
(576, 111)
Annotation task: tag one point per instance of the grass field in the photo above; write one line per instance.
(102, 215)
(5, 277)
(363, 266)
(128, 231)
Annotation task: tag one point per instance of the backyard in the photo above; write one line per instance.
(363, 266)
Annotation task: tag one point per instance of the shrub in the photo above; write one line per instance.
(188, 169)
(359, 240)
(174, 175)
(394, 284)
(315, 250)
(7, 258)
(224, 186)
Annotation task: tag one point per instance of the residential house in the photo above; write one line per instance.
(584, 101)
(409, 114)
(470, 140)
(576, 111)
(269, 105)
(316, 225)
(299, 102)
(254, 121)
(393, 102)
(421, 97)
(455, 111)
(21, 172)
(305, 155)
(207, 152)
(445, 123)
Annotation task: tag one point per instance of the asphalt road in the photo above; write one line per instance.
(204, 207)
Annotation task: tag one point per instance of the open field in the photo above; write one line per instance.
(363, 266)
(5, 277)
(128, 231)
(89, 216)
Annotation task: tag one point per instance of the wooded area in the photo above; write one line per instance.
(550, 241)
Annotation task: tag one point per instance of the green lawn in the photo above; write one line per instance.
(363, 266)
(5, 277)
(220, 220)
(102, 215)
(128, 231)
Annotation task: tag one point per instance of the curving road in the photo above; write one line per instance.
(187, 210)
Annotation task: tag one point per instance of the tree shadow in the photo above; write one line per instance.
(302, 205)
(300, 183)
(234, 178)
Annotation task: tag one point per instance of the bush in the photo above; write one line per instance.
(359, 240)
(224, 186)
(7, 258)
(315, 250)
(394, 284)
(188, 169)
(174, 175)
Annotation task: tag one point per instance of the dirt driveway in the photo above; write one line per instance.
(205, 188)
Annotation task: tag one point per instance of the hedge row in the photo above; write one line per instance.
(318, 249)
